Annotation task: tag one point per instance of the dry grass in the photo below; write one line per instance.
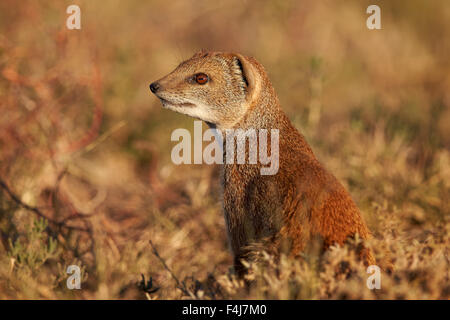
(84, 144)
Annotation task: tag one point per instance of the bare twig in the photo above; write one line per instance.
(180, 285)
(147, 286)
(38, 212)
(92, 133)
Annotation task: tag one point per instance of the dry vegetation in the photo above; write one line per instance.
(85, 170)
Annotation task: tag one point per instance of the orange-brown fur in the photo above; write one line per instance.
(285, 211)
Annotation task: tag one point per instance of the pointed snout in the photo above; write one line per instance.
(154, 87)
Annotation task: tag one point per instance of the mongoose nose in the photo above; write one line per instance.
(154, 87)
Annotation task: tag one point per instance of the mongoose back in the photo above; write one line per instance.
(284, 211)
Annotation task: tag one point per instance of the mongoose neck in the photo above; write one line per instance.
(263, 111)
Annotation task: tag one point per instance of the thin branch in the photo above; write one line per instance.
(180, 285)
(38, 212)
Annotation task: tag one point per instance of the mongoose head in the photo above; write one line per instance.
(212, 86)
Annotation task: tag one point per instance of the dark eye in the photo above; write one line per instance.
(201, 78)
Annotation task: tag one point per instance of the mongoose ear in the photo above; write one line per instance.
(248, 74)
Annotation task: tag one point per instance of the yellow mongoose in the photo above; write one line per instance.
(286, 210)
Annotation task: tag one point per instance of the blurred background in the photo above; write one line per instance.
(85, 170)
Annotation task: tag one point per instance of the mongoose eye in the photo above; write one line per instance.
(201, 78)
